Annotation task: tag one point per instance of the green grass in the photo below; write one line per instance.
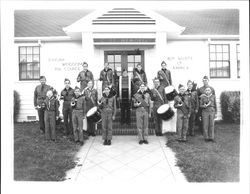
(209, 162)
(38, 160)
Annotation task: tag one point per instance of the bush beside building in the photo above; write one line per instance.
(16, 105)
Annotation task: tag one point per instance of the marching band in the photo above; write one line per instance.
(171, 110)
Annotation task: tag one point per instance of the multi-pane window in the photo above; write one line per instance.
(238, 59)
(115, 63)
(219, 60)
(133, 60)
(29, 62)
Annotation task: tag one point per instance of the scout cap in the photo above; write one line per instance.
(180, 86)
(77, 88)
(42, 77)
(189, 81)
(205, 77)
(66, 79)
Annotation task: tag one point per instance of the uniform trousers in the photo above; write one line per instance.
(107, 123)
(208, 124)
(142, 123)
(157, 121)
(41, 119)
(191, 122)
(77, 118)
(50, 125)
(67, 118)
(182, 125)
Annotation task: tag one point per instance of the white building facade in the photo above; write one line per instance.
(123, 37)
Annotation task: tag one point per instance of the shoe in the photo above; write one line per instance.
(81, 143)
(109, 142)
(145, 141)
(160, 134)
(206, 140)
(141, 142)
(105, 142)
(93, 134)
(212, 140)
(179, 140)
(184, 140)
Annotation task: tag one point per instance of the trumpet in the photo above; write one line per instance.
(73, 102)
(207, 103)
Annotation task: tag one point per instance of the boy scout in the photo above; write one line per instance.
(78, 105)
(84, 76)
(39, 98)
(139, 77)
(106, 76)
(90, 95)
(164, 75)
(50, 116)
(158, 97)
(107, 105)
(183, 105)
(66, 95)
(141, 101)
(194, 107)
(209, 109)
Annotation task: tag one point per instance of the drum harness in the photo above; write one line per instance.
(165, 77)
(159, 95)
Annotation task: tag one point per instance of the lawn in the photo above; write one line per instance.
(202, 161)
(38, 160)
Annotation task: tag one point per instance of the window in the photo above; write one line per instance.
(29, 62)
(115, 62)
(238, 59)
(219, 60)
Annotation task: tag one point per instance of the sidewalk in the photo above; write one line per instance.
(126, 160)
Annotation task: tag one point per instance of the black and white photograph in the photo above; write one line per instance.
(125, 96)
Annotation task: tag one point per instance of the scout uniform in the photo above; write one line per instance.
(51, 112)
(158, 98)
(142, 102)
(66, 96)
(108, 110)
(194, 109)
(39, 99)
(139, 77)
(208, 115)
(183, 113)
(106, 76)
(91, 101)
(84, 77)
(79, 112)
(165, 78)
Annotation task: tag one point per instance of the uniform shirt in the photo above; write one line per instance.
(67, 95)
(144, 96)
(40, 94)
(165, 78)
(158, 100)
(202, 89)
(108, 102)
(106, 76)
(205, 99)
(84, 77)
(186, 104)
(52, 104)
(139, 77)
(193, 99)
(80, 103)
(90, 98)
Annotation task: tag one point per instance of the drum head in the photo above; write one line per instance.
(91, 111)
(169, 89)
(163, 108)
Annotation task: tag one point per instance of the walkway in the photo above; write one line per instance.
(126, 160)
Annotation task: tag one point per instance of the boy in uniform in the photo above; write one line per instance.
(84, 76)
(90, 95)
(164, 75)
(79, 112)
(50, 116)
(159, 98)
(39, 98)
(194, 107)
(66, 95)
(209, 109)
(139, 77)
(141, 101)
(106, 76)
(107, 105)
(183, 105)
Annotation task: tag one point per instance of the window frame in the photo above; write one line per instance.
(222, 60)
(238, 59)
(20, 64)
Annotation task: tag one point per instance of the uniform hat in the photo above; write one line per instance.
(106, 87)
(156, 79)
(189, 81)
(163, 62)
(77, 88)
(66, 79)
(85, 63)
(180, 86)
(205, 77)
(42, 77)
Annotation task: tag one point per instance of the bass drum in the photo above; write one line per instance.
(170, 93)
(94, 115)
(165, 112)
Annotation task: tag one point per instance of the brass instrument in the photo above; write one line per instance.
(139, 100)
(73, 102)
(181, 105)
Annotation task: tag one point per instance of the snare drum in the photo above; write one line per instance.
(94, 115)
(165, 112)
(170, 93)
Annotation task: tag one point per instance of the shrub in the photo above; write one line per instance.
(230, 106)
(16, 105)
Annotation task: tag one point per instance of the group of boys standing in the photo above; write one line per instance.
(78, 101)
